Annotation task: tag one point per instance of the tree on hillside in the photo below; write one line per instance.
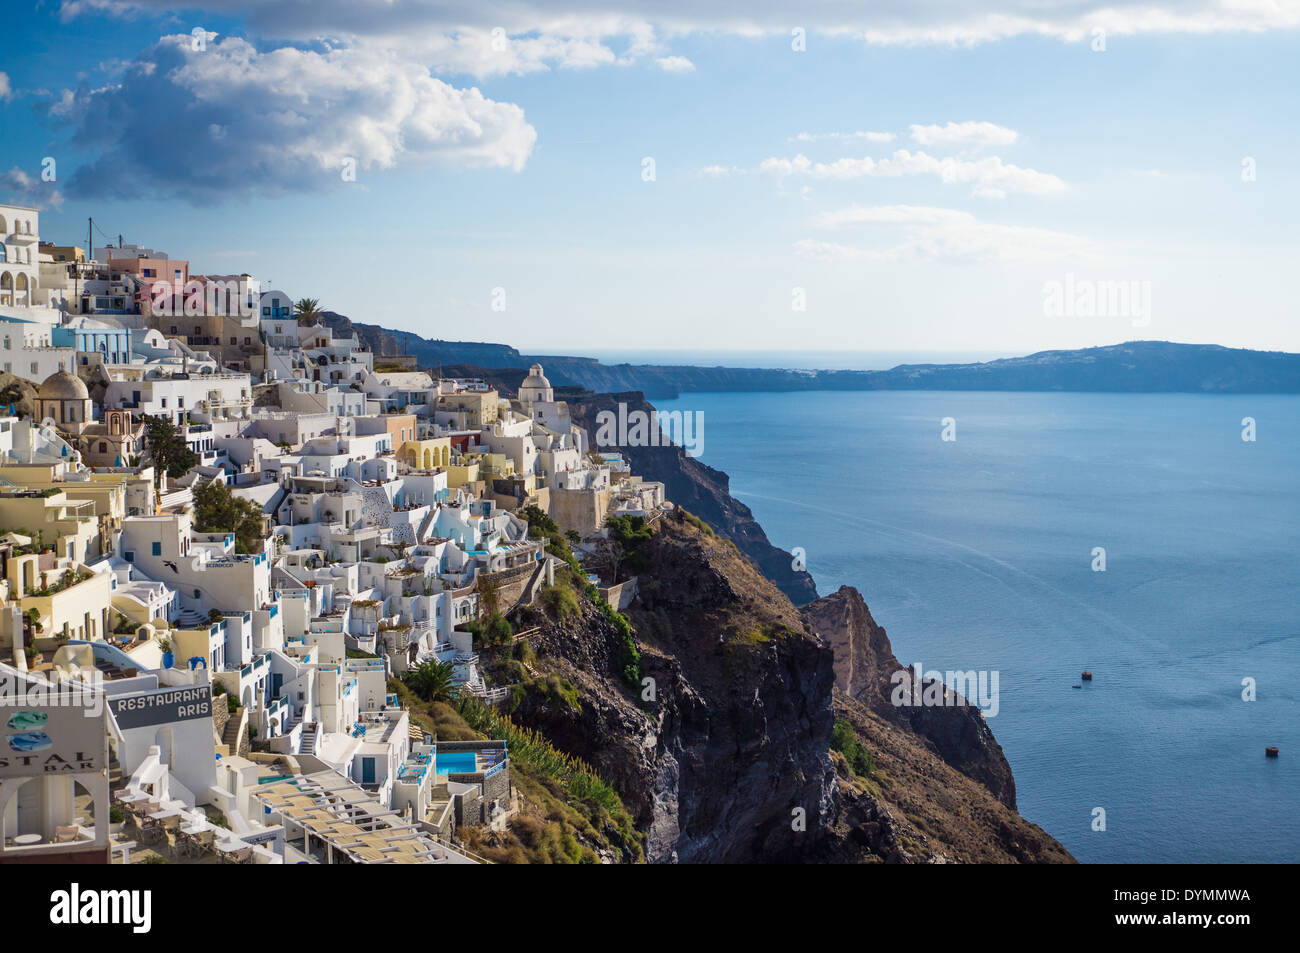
(167, 448)
(308, 310)
(625, 548)
(432, 681)
(217, 510)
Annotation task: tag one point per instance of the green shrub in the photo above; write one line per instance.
(629, 535)
(630, 663)
(560, 601)
(496, 629)
(698, 523)
(524, 652)
(845, 740)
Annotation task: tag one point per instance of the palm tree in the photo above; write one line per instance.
(432, 681)
(308, 310)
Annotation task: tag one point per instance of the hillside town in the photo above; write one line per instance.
(228, 534)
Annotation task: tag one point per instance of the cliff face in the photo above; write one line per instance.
(864, 666)
(915, 808)
(703, 491)
(736, 736)
(730, 760)
(429, 352)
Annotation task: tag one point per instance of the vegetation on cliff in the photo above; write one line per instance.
(569, 813)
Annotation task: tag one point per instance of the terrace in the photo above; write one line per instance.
(331, 820)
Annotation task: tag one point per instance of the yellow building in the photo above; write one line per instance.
(69, 527)
(463, 473)
(478, 406)
(66, 253)
(431, 454)
(495, 466)
(64, 599)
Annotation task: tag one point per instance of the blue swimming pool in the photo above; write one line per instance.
(455, 762)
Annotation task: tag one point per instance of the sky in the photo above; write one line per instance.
(567, 176)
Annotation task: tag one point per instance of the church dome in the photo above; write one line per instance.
(535, 378)
(63, 385)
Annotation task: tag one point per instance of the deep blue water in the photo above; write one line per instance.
(977, 554)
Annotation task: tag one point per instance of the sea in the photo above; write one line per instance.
(1135, 536)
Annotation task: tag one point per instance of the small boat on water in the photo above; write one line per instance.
(1087, 676)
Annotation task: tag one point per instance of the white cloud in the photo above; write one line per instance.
(6, 91)
(286, 120)
(20, 188)
(478, 52)
(964, 135)
(990, 177)
(863, 136)
(675, 64)
(930, 234)
(455, 35)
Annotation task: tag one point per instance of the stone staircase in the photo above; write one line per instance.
(234, 736)
(191, 619)
(310, 730)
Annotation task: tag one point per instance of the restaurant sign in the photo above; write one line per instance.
(163, 707)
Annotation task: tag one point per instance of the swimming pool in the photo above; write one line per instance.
(456, 762)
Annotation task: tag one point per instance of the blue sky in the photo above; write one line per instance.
(520, 166)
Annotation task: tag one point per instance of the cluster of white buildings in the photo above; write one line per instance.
(252, 680)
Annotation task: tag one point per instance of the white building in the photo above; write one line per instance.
(174, 394)
(20, 285)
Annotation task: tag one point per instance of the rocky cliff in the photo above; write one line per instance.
(864, 666)
(725, 755)
(732, 732)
